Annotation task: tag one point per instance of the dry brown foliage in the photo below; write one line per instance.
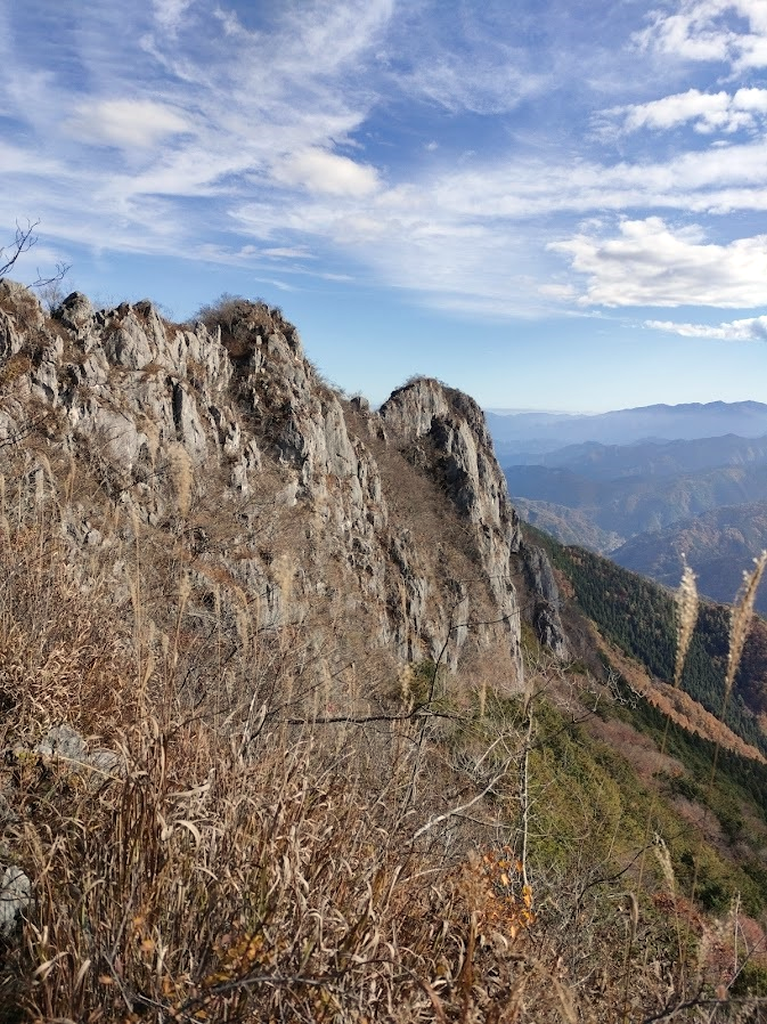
(282, 832)
(226, 865)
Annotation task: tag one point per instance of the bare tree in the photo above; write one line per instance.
(24, 240)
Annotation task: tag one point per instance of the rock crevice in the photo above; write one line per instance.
(392, 530)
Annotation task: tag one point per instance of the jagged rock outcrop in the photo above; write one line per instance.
(545, 604)
(444, 431)
(390, 531)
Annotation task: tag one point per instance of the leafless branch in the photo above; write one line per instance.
(62, 269)
(24, 240)
(464, 807)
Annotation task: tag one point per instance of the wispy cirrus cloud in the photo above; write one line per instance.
(236, 133)
(482, 83)
(170, 13)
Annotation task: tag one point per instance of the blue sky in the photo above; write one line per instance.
(552, 205)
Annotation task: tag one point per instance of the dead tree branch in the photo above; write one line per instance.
(24, 240)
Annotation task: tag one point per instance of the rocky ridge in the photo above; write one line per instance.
(389, 532)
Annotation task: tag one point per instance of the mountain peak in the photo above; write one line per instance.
(393, 528)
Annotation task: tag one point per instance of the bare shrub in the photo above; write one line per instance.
(238, 318)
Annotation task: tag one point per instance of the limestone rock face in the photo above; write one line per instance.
(15, 897)
(445, 432)
(382, 537)
(546, 604)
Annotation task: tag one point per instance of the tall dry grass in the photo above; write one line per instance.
(223, 864)
(238, 860)
(690, 990)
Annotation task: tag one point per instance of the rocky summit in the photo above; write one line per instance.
(290, 728)
(386, 537)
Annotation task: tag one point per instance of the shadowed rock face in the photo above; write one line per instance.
(545, 600)
(445, 433)
(390, 531)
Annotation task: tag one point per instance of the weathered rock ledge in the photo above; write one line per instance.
(391, 531)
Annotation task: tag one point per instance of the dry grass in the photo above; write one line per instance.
(250, 853)
(226, 865)
(229, 866)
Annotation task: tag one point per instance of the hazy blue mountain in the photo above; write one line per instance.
(567, 525)
(542, 432)
(650, 458)
(718, 544)
(632, 505)
(601, 480)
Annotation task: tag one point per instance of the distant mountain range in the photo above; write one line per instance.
(650, 458)
(631, 505)
(718, 544)
(700, 490)
(546, 432)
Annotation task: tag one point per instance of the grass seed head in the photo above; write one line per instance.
(687, 615)
(741, 618)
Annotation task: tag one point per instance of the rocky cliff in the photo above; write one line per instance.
(379, 538)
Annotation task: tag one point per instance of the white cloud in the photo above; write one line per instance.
(128, 123)
(297, 252)
(27, 161)
(751, 99)
(524, 189)
(708, 112)
(462, 82)
(298, 135)
(648, 264)
(560, 292)
(710, 30)
(461, 58)
(169, 13)
(320, 171)
(282, 286)
(750, 329)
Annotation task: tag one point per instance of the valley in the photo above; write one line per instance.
(648, 503)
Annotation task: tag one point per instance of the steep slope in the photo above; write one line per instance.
(393, 530)
(237, 780)
(637, 616)
(718, 543)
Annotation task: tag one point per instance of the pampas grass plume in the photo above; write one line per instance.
(687, 615)
(741, 618)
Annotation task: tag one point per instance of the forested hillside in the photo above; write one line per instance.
(638, 615)
(717, 543)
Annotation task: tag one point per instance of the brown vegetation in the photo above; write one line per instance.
(271, 821)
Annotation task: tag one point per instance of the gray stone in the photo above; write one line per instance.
(327, 505)
(15, 897)
(75, 311)
(63, 741)
(546, 617)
